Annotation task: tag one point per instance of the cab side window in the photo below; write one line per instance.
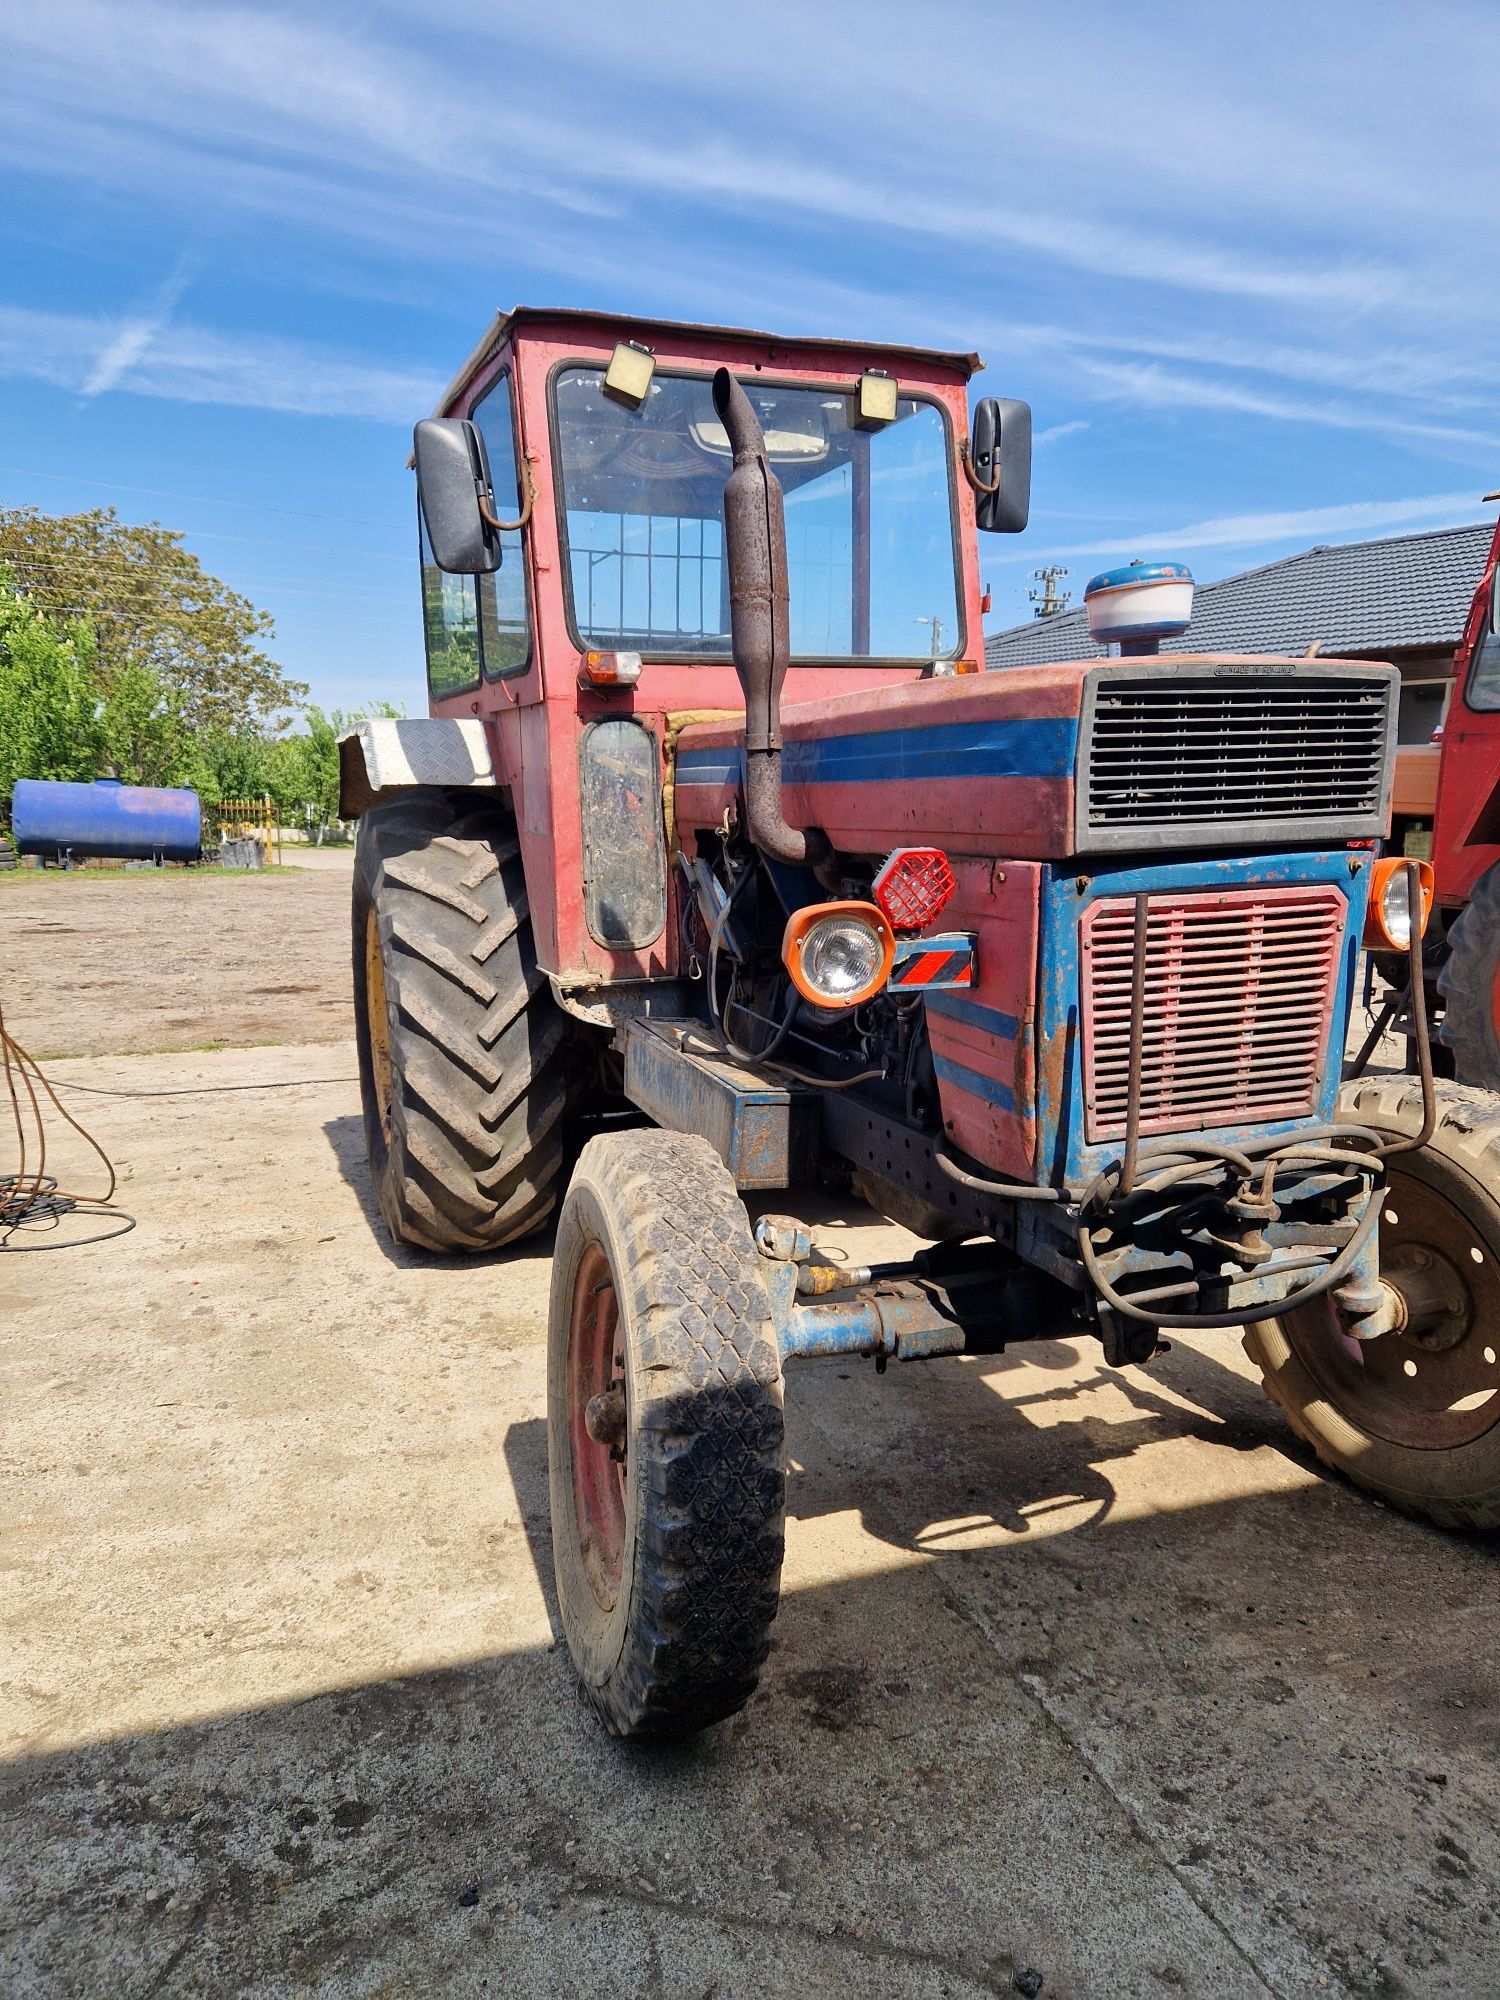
(504, 621)
(450, 624)
(1484, 681)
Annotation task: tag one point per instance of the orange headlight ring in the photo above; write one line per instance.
(1377, 937)
(800, 922)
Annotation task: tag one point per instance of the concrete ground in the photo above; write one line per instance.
(1079, 1673)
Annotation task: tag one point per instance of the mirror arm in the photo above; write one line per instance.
(965, 459)
(491, 520)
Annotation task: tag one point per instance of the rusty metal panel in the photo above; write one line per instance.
(766, 1133)
(1238, 996)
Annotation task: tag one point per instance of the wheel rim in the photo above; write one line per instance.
(377, 1022)
(596, 1369)
(1437, 1385)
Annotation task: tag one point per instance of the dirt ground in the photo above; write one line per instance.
(1080, 1673)
(103, 962)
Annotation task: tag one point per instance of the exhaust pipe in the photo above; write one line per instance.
(759, 623)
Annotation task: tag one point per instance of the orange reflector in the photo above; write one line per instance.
(1388, 919)
(610, 670)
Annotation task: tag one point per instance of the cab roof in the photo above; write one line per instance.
(504, 323)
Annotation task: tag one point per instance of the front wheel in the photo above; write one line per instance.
(664, 1435)
(1412, 1416)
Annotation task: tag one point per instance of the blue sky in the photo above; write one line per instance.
(1241, 261)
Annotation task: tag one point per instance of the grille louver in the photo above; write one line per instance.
(1239, 996)
(1172, 757)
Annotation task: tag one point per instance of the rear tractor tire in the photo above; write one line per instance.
(462, 1048)
(1470, 986)
(1413, 1416)
(665, 1436)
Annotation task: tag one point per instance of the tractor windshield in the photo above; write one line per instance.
(871, 551)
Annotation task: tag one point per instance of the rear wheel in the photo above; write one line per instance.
(664, 1422)
(462, 1049)
(1413, 1416)
(1470, 985)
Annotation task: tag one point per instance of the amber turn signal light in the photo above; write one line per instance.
(839, 954)
(610, 670)
(1388, 919)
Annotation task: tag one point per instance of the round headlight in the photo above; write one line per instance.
(1395, 908)
(841, 956)
(838, 954)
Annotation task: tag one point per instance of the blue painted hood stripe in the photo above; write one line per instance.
(990, 1088)
(1032, 747)
(708, 767)
(989, 1020)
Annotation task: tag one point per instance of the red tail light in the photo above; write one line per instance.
(914, 886)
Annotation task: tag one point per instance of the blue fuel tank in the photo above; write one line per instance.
(105, 821)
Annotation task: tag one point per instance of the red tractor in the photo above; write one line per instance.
(1452, 793)
(719, 869)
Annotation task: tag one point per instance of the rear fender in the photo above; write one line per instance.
(381, 758)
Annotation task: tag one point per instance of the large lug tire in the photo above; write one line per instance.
(1415, 1416)
(665, 1436)
(1470, 986)
(462, 1048)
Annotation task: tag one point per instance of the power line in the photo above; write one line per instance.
(203, 499)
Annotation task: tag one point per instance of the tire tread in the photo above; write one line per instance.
(478, 1045)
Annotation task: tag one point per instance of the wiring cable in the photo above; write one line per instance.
(31, 1198)
(207, 1089)
(765, 1058)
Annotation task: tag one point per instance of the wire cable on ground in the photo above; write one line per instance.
(31, 1198)
(207, 1089)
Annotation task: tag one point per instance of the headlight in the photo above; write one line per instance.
(838, 953)
(1388, 925)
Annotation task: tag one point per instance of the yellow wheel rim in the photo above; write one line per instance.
(377, 1023)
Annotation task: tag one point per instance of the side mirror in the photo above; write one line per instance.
(1000, 465)
(453, 480)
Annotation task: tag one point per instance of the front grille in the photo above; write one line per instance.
(1182, 756)
(1239, 998)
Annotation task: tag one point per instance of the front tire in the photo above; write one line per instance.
(665, 1436)
(462, 1048)
(1470, 986)
(1415, 1416)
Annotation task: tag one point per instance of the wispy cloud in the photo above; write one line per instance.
(1273, 528)
(193, 364)
(1055, 433)
(1165, 388)
(261, 86)
(134, 335)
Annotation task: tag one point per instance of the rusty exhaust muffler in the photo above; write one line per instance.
(759, 623)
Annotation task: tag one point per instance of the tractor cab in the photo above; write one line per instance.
(591, 609)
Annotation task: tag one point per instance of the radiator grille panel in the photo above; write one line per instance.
(1194, 750)
(1239, 998)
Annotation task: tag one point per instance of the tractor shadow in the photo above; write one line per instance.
(346, 1141)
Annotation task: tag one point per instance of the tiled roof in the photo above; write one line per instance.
(1408, 591)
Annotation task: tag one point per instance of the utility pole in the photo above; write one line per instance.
(1049, 600)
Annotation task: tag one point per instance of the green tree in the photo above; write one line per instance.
(151, 604)
(49, 704)
(147, 737)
